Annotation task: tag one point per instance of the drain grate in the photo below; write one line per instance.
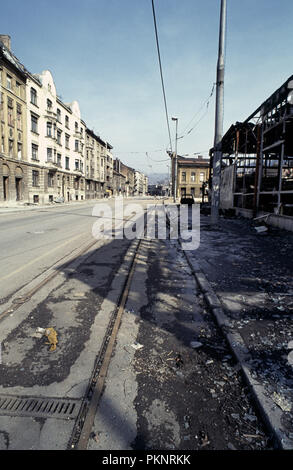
(60, 408)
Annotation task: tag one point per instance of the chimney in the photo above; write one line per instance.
(6, 40)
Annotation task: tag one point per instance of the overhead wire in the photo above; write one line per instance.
(161, 74)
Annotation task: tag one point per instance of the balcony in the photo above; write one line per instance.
(53, 166)
(49, 114)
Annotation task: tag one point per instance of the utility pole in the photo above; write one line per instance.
(217, 157)
(175, 163)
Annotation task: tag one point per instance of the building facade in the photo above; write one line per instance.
(48, 153)
(56, 144)
(140, 183)
(192, 173)
(13, 152)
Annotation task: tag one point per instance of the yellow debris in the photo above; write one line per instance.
(52, 337)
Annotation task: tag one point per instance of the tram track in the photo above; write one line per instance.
(84, 423)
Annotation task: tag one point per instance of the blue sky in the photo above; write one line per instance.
(103, 54)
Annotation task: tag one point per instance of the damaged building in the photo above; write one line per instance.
(257, 161)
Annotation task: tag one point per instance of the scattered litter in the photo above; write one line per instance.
(186, 422)
(210, 361)
(195, 344)
(178, 360)
(52, 337)
(261, 228)
(204, 439)
(180, 374)
(252, 436)
(94, 436)
(39, 332)
(137, 346)
(79, 294)
(230, 446)
(281, 402)
(249, 417)
(220, 383)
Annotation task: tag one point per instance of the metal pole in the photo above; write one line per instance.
(175, 166)
(219, 119)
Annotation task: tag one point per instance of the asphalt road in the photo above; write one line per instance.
(33, 241)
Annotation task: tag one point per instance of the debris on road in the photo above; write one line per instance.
(281, 402)
(136, 345)
(39, 332)
(52, 337)
(195, 344)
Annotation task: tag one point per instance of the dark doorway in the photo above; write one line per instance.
(18, 188)
(5, 188)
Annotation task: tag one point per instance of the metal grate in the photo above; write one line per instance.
(60, 408)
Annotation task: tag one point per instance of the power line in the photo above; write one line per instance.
(158, 161)
(161, 74)
(206, 102)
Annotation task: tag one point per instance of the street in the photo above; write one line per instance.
(141, 360)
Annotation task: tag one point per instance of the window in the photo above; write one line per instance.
(76, 127)
(59, 159)
(50, 180)
(35, 178)
(2, 106)
(76, 146)
(10, 111)
(58, 136)
(19, 150)
(201, 177)
(35, 152)
(77, 164)
(58, 115)
(67, 122)
(183, 177)
(67, 163)
(34, 123)
(8, 82)
(33, 96)
(19, 117)
(192, 177)
(49, 129)
(49, 105)
(67, 141)
(18, 88)
(10, 147)
(49, 155)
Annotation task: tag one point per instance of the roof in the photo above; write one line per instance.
(200, 162)
(12, 59)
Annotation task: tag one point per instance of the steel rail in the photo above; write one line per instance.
(85, 421)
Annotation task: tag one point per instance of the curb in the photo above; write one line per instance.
(269, 411)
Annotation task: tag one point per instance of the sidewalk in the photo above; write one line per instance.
(251, 275)
(22, 207)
